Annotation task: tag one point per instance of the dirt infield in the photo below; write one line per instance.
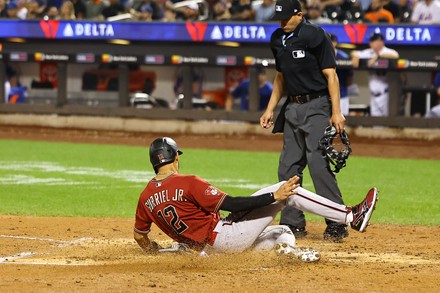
(39, 254)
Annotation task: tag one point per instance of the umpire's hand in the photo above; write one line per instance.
(266, 120)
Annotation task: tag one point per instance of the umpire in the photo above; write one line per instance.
(306, 73)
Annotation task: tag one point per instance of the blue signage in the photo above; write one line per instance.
(207, 31)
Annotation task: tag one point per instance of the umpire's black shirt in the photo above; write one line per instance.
(301, 55)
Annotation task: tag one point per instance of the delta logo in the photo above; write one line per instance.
(39, 56)
(196, 30)
(402, 63)
(49, 28)
(355, 32)
(249, 60)
(176, 59)
(106, 58)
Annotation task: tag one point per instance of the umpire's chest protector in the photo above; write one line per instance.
(301, 55)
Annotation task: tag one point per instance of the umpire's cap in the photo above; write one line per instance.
(163, 150)
(285, 9)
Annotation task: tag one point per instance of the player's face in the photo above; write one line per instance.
(288, 25)
(377, 45)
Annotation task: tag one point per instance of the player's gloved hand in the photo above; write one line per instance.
(155, 245)
(287, 189)
(152, 248)
(176, 247)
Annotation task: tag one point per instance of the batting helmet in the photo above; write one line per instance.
(163, 150)
(335, 157)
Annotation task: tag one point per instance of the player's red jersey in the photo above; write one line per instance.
(185, 207)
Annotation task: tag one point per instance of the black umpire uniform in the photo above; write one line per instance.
(301, 55)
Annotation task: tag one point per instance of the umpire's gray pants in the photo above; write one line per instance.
(304, 127)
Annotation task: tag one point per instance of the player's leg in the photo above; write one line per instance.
(239, 231)
(345, 105)
(357, 216)
(281, 238)
(273, 235)
(311, 202)
(379, 99)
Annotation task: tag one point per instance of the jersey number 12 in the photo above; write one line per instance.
(175, 223)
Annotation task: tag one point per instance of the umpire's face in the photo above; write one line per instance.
(289, 25)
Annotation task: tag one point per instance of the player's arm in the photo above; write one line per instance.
(145, 243)
(244, 203)
(355, 59)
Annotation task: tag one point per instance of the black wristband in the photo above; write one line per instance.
(243, 203)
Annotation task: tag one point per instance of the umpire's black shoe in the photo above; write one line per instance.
(335, 232)
(299, 232)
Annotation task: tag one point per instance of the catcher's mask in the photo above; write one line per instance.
(335, 156)
(163, 151)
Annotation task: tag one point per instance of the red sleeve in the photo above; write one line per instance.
(207, 197)
(143, 221)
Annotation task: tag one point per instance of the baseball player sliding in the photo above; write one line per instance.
(186, 208)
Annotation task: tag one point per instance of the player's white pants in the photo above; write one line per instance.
(345, 106)
(379, 105)
(243, 230)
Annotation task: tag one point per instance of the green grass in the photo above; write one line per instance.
(67, 179)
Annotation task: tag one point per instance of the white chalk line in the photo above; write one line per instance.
(61, 243)
(16, 256)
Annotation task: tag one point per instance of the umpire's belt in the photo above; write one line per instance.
(301, 99)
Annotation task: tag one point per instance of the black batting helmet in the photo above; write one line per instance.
(163, 150)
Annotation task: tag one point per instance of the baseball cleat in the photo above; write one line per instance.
(304, 254)
(335, 232)
(362, 212)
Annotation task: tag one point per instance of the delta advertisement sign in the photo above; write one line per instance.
(207, 32)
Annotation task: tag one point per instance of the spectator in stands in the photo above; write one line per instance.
(314, 14)
(67, 11)
(406, 8)
(3, 9)
(242, 92)
(345, 76)
(169, 15)
(23, 9)
(264, 11)
(394, 8)
(52, 13)
(304, 8)
(332, 8)
(94, 9)
(146, 7)
(426, 12)
(220, 11)
(377, 13)
(378, 83)
(114, 8)
(80, 9)
(145, 13)
(242, 10)
(188, 12)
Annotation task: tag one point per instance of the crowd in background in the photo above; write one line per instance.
(317, 11)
